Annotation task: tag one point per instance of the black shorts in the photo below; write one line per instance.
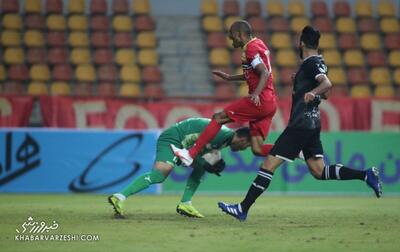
(292, 141)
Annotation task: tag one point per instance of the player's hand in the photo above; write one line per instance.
(308, 97)
(255, 99)
(221, 74)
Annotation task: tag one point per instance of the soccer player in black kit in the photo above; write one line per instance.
(311, 84)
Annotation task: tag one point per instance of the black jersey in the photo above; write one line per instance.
(302, 115)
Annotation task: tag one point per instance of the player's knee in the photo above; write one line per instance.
(316, 173)
(220, 117)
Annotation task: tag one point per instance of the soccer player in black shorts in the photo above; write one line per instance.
(311, 84)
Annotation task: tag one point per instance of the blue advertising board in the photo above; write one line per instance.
(61, 161)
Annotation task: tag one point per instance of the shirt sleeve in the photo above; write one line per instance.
(253, 57)
(316, 68)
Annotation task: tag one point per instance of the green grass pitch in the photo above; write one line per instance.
(276, 223)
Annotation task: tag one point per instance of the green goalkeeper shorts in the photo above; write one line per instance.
(164, 152)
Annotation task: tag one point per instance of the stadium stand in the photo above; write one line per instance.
(78, 47)
(95, 47)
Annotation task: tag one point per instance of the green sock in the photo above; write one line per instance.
(143, 182)
(192, 184)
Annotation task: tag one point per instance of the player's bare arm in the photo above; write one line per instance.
(264, 75)
(228, 77)
(324, 86)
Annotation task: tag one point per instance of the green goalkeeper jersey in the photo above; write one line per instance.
(185, 133)
(189, 131)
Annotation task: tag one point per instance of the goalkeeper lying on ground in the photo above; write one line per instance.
(183, 135)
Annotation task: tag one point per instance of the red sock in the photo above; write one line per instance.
(205, 137)
(265, 149)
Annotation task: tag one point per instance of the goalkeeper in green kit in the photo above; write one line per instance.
(184, 134)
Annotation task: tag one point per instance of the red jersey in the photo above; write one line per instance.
(256, 52)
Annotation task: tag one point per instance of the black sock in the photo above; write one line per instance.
(340, 172)
(259, 185)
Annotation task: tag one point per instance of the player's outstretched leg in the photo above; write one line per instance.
(142, 182)
(340, 172)
(373, 181)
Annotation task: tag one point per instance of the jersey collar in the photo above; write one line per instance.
(251, 40)
(311, 56)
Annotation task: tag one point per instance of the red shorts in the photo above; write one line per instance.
(259, 117)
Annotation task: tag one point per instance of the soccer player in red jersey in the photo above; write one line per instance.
(257, 109)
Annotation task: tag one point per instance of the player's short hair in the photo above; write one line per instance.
(243, 132)
(242, 26)
(310, 37)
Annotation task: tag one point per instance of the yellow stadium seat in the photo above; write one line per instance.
(360, 92)
(353, 58)
(39, 72)
(34, 38)
(130, 90)
(229, 43)
(33, 6)
(384, 92)
(363, 8)
(243, 90)
(296, 8)
(275, 8)
(275, 74)
(212, 24)
(230, 20)
(389, 25)
(345, 25)
(122, 23)
(396, 76)
(56, 22)
(286, 57)
(85, 73)
(337, 76)
(220, 57)
(386, 8)
(125, 56)
(141, 7)
(370, 41)
(239, 70)
(332, 57)
(281, 40)
(60, 88)
(78, 39)
(327, 41)
(380, 76)
(37, 88)
(130, 73)
(298, 23)
(394, 58)
(80, 56)
(14, 56)
(76, 6)
(78, 23)
(148, 57)
(146, 39)
(10, 38)
(12, 22)
(209, 7)
(2, 73)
